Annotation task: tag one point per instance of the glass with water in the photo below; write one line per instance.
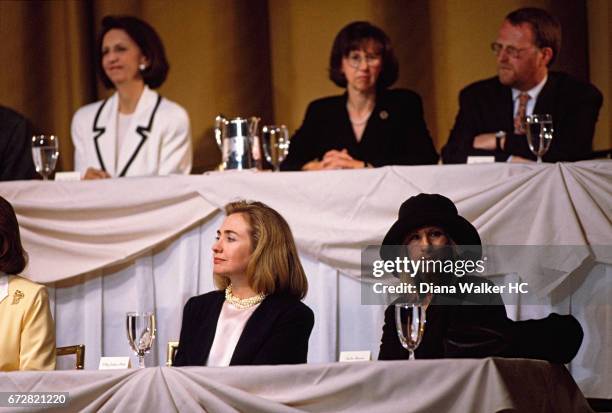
(539, 134)
(45, 151)
(410, 323)
(275, 141)
(141, 333)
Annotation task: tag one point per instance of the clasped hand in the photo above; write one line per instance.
(335, 159)
(93, 173)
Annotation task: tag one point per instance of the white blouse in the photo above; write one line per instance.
(230, 325)
(123, 125)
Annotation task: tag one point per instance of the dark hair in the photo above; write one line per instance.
(545, 27)
(13, 258)
(352, 37)
(150, 45)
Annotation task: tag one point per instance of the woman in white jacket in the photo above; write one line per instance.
(135, 132)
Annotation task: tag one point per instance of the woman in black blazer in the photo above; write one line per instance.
(256, 316)
(369, 125)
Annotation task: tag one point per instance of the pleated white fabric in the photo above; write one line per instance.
(108, 247)
(488, 385)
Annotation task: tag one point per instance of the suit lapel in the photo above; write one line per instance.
(506, 109)
(545, 101)
(254, 331)
(138, 130)
(207, 329)
(375, 127)
(351, 141)
(104, 129)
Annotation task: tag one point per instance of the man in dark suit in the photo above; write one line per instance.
(15, 150)
(492, 111)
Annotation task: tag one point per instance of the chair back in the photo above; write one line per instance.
(172, 347)
(78, 350)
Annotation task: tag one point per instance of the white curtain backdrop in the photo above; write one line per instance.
(105, 248)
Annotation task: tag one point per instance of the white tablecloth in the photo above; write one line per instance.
(487, 386)
(109, 247)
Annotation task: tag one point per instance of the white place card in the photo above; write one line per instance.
(114, 363)
(481, 159)
(350, 356)
(67, 176)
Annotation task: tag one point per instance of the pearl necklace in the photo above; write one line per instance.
(242, 303)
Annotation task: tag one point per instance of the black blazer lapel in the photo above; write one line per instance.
(207, 328)
(142, 131)
(505, 110)
(374, 132)
(99, 131)
(345, 128)
(546, 97)
(255, 331)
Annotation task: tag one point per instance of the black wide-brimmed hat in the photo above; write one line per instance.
(431, 209)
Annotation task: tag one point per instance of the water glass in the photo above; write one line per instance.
(45, 151)
(275, 142)
(539, 134)
(141, 333)
(410, 321)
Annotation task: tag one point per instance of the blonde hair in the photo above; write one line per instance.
(274, 265)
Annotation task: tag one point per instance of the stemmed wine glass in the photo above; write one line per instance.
(539, 134)
(275, 141)
(45, 151)
(410, 323)
(141, 333)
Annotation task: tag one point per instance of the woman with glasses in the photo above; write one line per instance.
(369, 125)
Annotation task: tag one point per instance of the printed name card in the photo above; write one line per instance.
(350, 356)
(67, 176)
(114, 363)
(480, 159)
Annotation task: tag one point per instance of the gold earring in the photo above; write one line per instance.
(142, 67)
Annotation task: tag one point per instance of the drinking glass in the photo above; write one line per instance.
(141, 333)
(539, 134)
(45, 151)
(410, 323)
(275, 142)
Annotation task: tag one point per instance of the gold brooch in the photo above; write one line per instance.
(18, 295)
(383, 114)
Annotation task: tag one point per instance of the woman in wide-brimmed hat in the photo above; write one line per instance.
(462, 324)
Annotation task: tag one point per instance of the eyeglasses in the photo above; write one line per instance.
(512, 51)
(354, 59)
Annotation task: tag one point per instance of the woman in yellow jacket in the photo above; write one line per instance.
(27, 332)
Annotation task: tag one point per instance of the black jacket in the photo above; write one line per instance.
(15, 147)
(396, 133)
(486, 106)
(455, 328)
(444, 315)
(276, 333)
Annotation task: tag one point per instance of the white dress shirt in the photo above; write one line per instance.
(533, 97)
